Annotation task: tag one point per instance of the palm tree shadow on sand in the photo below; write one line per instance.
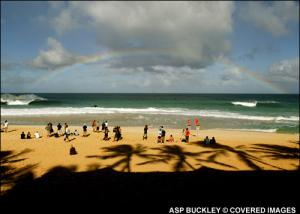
(242, 152)
(169, 153)
(9, 174)
(276, 152)
(124, 153)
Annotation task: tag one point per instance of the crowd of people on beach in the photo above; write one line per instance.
(66, 132)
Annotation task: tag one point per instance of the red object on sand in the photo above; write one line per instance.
(189, 123)
(197, 122)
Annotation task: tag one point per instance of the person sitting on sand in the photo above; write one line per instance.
(145, 132)
(171, 139)
(206, 140)
(212, 141)
(23, 136)
(76, 133)
(106, 134)
(28, 135)
(37, 135)
(73, 150)
(84, 130)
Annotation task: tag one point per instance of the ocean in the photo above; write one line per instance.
(253, 112)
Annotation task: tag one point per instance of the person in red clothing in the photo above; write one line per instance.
(187, 135)
(197, 124)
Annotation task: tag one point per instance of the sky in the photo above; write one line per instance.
(150, 47)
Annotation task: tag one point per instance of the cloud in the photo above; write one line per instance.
(63, 22)
(56, 57)
(174, 34)
(285, 70)
(271, 17)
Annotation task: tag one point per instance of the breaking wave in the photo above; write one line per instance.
(26, 99)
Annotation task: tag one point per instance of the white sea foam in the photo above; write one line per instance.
(253, 103)
(246, 104)
(25, 99)
(255, 130)
(149, 111)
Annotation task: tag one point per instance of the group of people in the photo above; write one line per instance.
(28, 136)
(96, 126)
(209, 141)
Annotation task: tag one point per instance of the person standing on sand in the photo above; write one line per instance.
(67, 133)
(145, 132)
(48, 129)
(5, 126)
(187, 135)
(197, 124)
(106, 134)
(163, 135)
(106, 124)
(94, 125)
(59, 131)
(159, 134)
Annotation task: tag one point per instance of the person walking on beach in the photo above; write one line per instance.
(5, 126)
(67, 133)
(59, 131)
(65, 127)
(145, 132)
(197, 124)
(187, 135)
(106, 124)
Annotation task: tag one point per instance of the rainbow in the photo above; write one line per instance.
(136, 51)
(102, 57)
(256, 77)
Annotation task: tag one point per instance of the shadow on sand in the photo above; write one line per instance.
(10, 175)
(119, 191)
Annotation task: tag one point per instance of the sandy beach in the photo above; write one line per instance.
(235, 150)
